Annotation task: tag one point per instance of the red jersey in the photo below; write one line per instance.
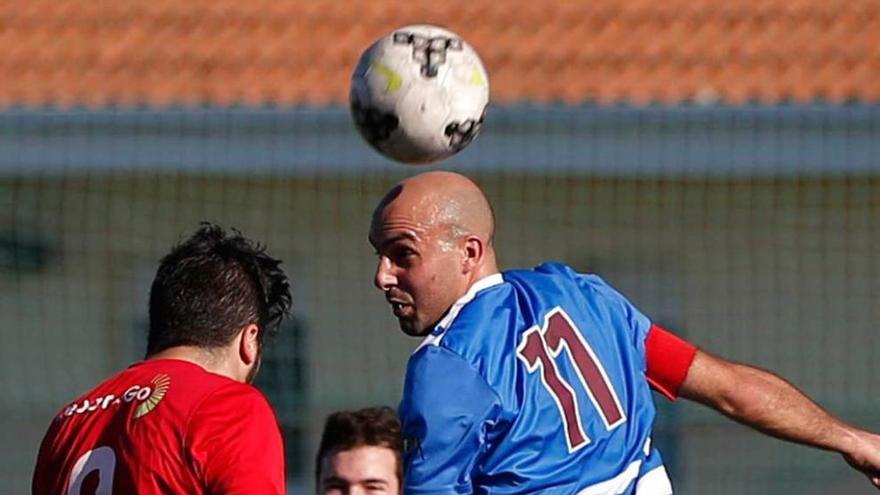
(163, 426)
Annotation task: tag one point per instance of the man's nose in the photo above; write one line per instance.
(384, 279)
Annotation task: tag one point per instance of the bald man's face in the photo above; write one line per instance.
(420, 263)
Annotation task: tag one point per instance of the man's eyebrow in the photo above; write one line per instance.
(337, 479)
(403, 236)
(380, 481)
(334, 479)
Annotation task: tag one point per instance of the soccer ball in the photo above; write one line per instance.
(419, 94)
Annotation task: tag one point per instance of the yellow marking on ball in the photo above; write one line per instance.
(477, 78)
(394, 79)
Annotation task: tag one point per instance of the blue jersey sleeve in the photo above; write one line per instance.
(447, 412)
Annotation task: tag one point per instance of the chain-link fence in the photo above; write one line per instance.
(752, 231)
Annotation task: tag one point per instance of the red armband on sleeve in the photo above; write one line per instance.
(669, 358)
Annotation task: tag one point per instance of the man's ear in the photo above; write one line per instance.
(473, 253)
(248, 344)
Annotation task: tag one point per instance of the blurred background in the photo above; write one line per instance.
(717, 161)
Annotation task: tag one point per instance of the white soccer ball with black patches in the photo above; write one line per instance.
(419, 94)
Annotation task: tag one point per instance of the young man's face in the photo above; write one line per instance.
(362, 470)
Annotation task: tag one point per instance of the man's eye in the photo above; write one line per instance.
(403, 252)
(335, 487)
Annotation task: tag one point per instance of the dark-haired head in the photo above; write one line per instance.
(348, 430)
(212, 285)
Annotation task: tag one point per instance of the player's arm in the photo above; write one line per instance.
(768, 403)
(447, 412)
(235, 444)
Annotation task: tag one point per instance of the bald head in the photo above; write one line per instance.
(433, 234)
(443, 199)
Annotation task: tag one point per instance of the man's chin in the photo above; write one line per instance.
(412, 329)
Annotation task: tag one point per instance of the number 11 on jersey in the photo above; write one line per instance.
(539, 348)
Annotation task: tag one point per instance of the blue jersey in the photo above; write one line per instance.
(534, 382)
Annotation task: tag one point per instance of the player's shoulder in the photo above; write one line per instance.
(151, 374)
(191, 386)
(161, 387)
(241, 393)
(204, 388)
(185, 375)
(551, 272)
(562, 274)
(233, 405)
